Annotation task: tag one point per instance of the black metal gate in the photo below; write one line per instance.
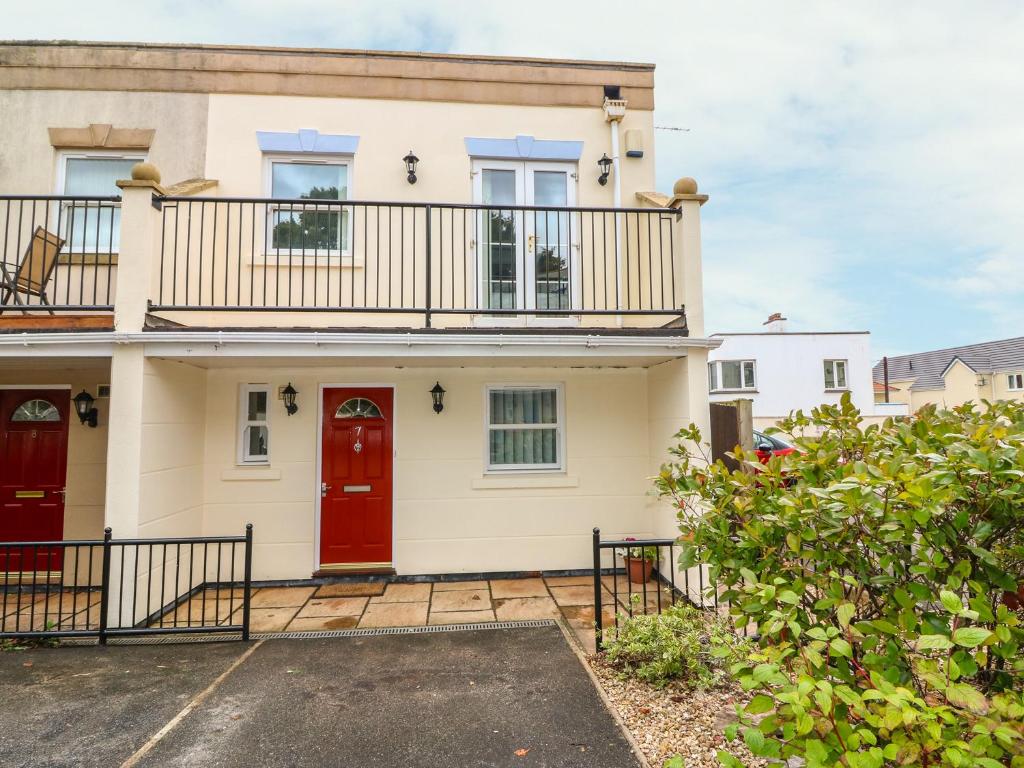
(127, 587)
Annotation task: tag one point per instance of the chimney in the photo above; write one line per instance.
(776, 323)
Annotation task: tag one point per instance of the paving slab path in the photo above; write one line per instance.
(495, 697)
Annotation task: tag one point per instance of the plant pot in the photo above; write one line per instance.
(1014, 600)
(639, 569)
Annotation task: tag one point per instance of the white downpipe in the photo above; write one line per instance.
(617, 203)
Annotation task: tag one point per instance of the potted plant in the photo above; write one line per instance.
(640, 562)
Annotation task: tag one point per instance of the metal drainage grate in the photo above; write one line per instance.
(166, 639)
(404, 630)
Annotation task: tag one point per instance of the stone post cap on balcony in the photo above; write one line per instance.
(143, 175)
(686, 189)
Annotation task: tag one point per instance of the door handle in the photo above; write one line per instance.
(530, 241)
(324, 488)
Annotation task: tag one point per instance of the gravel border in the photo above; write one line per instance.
(673, 720)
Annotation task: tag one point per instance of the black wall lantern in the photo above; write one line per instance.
(410, 166)
(289, 393)
(437, 395)
(87, 414)
(605, 164)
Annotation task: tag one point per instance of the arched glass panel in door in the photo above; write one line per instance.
(358, 408)
(36, 410)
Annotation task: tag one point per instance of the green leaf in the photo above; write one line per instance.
(971, 637)
(951, 602)
(933, 643)
(840, 647)
(727, 760)
(759, 705)
(788, 596)
(844, 613)
(754, 740)
(967, 697)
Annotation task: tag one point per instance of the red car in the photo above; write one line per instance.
(767, 446)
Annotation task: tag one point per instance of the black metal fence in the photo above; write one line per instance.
(315, 255)
(58, 252)
(647, 581)
(110, 588)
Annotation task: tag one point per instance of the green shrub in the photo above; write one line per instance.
(682, 643)
(874, 563)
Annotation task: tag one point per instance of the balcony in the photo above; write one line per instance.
(255, 262)
(414, 264)
(58, 254)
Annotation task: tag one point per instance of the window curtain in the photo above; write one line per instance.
(512, 444)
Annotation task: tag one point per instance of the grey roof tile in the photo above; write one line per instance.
(926, 368)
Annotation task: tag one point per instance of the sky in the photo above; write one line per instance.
(865, 161)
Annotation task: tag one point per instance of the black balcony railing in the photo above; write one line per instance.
(58, 253)
(418, 258)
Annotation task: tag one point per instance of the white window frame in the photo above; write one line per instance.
(244, 459)
(836, 362)
(714, 382)
(525, 283)
(559, 427)
(61, 182)
(1015, 382)
(333, 255)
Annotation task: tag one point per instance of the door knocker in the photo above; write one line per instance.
(358, 447)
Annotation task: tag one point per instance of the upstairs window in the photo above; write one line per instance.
(309, 227)
(254, 425)
(835, 374)
(91, 226)
(732, 375)
(1015, 382)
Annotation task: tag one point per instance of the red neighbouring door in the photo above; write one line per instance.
(33, 471)
(355, 492)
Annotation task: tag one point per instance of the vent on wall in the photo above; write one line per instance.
(103, 390)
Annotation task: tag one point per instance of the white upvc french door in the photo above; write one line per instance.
(525, 258)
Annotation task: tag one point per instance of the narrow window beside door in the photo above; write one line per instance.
(254, 431)
(525, 428)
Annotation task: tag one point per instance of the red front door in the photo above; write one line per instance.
(33, 471)
(355, 492)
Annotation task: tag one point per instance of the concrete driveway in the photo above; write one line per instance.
(495, 697)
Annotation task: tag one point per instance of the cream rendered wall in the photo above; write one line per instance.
(449, 516)
(87, 447)
(173, 435)
(178, 148)
(1001, 386)
(388, 129)
(961, 385)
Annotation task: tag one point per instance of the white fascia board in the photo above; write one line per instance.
(270, 343)
(85, 344)
(335, 344)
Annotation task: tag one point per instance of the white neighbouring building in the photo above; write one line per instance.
(782, 371)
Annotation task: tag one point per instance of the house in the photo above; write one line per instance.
(991, 370)
(405, 313)
(782, 371)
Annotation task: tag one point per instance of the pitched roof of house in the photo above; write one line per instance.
(927, 368)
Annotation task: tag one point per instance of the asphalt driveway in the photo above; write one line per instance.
(496, 697)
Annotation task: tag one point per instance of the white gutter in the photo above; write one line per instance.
(157, 342)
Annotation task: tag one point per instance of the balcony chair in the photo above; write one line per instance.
(33, 273)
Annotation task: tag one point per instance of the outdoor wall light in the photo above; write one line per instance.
(84, 408)
(605, 164)
(410, 166)
(437, 395)
(288, 394)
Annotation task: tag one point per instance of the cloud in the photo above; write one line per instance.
(863, 159)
